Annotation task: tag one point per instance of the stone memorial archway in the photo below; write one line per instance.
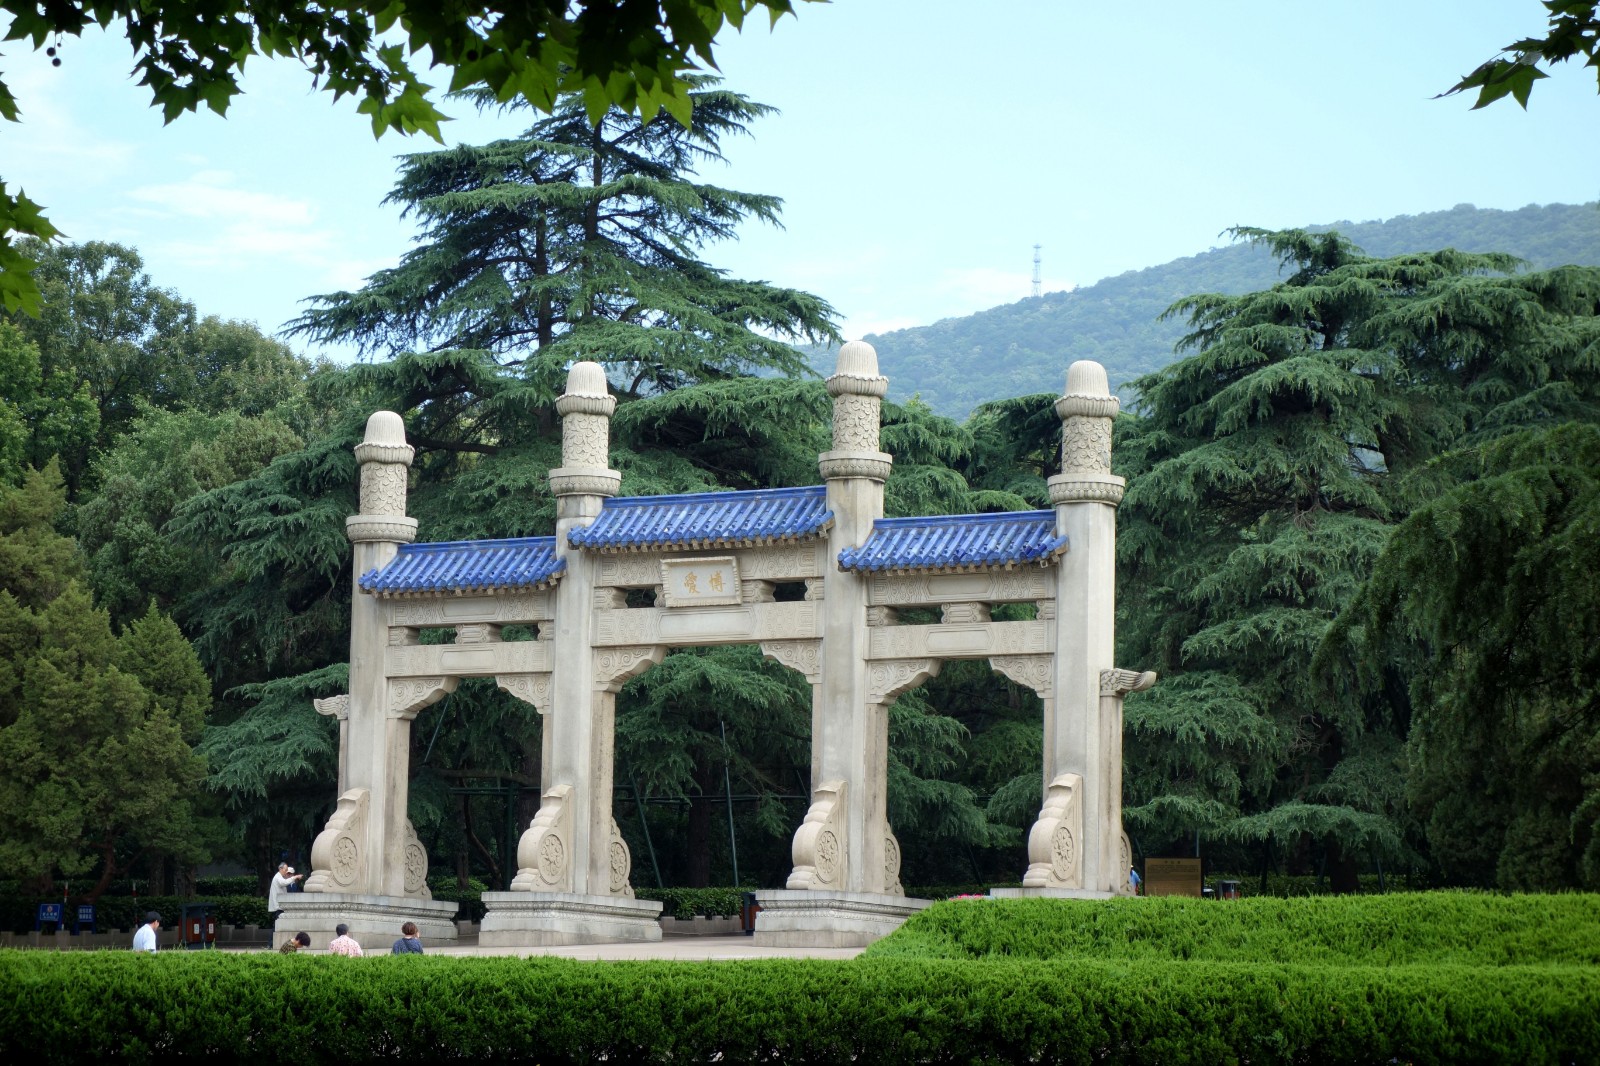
(712, 561)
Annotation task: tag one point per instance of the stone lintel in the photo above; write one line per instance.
(1026, 584)
(791, 918)
(542, 919)
(467, 660)
(509, 607)
(974, 641)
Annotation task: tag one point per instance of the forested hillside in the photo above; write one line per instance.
(1025, 347)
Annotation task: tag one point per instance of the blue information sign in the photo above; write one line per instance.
(48, 912)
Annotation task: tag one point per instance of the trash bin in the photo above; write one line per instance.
(1229, 890)
(748, 909)
(1207, 892)
(199, 929)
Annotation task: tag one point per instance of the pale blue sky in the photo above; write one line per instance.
(922, 150)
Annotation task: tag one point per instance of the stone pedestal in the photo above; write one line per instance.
(374, 921)
(542, 919)
(821, 919)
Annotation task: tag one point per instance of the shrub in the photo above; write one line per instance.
(71, 1007)
(1434, 927)
(685, 903)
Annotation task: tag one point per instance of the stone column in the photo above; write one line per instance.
(362, 850)
(850, 730)
(579, 750)
(1083, 759)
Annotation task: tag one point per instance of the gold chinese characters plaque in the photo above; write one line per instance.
(700, 582)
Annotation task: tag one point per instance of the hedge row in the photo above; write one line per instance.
(1476, 929)
(124, 912)
(264, 1007)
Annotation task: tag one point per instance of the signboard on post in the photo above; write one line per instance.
(1172, 877)
(49, 914)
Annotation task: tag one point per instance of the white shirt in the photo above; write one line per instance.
(278, 881)
(145, 938)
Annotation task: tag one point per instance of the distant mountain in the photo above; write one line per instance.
(1025, 347)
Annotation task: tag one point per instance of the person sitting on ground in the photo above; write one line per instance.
(145, 938)
(408, 944)
(299, 942)
(343, 943)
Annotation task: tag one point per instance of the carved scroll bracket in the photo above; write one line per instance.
(614, 666)
(804, 656)
(888, 678)
(339, 854)
(1029, 671)
(409, 695)
(820, 850)
(1121, 682)
(337, 706)
(1055, 844)
(414, 860)
(544, 854)
(621, 864)
(529, 688)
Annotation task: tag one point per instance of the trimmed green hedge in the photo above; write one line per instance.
(127, 913)
(685, 903)
(264, 1007)
(1474, 929)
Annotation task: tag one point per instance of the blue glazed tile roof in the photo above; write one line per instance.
(957, 542)
(706, 520)
(468, 566)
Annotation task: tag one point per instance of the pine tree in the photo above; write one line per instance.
(1265, 473)
(581, 241)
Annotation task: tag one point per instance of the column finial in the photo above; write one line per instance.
(857, 390)
(1086, 409)
(385, 458)
(585, 410)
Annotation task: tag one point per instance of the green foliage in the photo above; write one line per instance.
(1573, 33)
(1403, 929)
(111, 345)
(638, 57)
(73, 1006)
(580, 240)
(1265, 474)
(686, 903)
(95, 729)
(1487, 594)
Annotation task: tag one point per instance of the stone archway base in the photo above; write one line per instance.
(819, 918)
(374, 921)
(545, 919)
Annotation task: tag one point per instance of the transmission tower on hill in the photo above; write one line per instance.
(1038, 281)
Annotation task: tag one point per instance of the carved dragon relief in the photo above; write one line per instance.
(819, 851)
(544, 854)
(1055, 843)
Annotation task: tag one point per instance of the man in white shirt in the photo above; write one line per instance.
(280, 883)
(145, 938)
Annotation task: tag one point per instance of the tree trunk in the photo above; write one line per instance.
(699, 843)
(1343, 870)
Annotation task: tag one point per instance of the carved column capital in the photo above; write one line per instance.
(1121, 682)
